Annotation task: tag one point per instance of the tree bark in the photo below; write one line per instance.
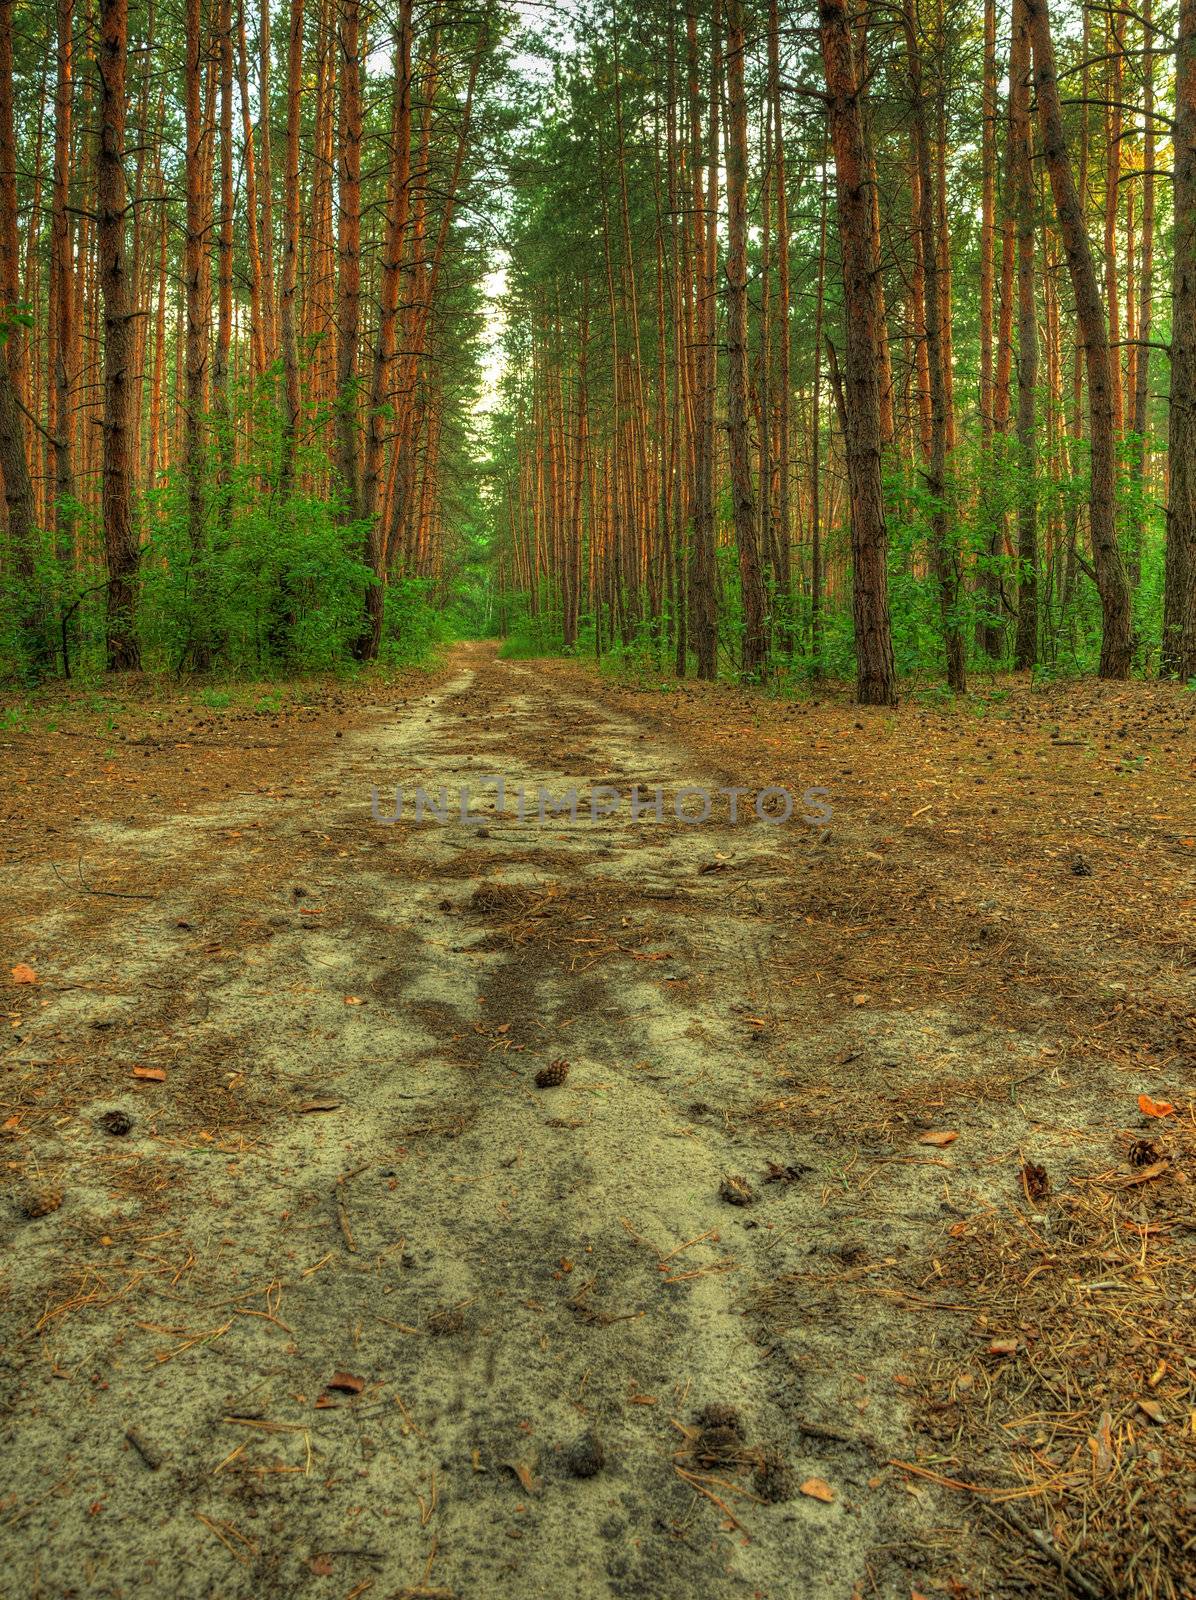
(751, 582)
(876, 676)
(62, 293)
(119, 433)
(1179, 604)
(1117, 636)
(1145, 286)
(349, 250)
(1025, 653)
(196, 344)
(944, 557)
(288, 330)
(398, 198)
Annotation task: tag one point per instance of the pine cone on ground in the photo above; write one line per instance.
(550, 1076)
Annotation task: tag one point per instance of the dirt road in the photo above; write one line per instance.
(354, 1307)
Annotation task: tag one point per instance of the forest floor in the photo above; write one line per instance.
(843, 1261)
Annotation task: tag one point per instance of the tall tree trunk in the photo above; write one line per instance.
(349, 250)
(751, 582)
(1115, 45)
(196, 345)
(1025, 655)
(63, 296)
(398, 199)
(224, 303)
(988, 633)
(1179, 604)
(120, 380)
(11, 291)
(1145, 287)
(816, 434)
(705, 613)
(257, 326)
(288, 330)
(14, 462)
(269, 308)
(785, 334)
(1117, 637)
(944, 556)
(876, 679)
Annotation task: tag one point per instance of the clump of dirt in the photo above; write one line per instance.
(585, 1457)
(736, 1191)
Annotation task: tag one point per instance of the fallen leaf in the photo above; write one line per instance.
(526, 1477)
(321, 1566)
(818, 1489)
(1003, 1347)
(944, 1137)
(23, 974)
(150, 1074)
(325, 1104)
(352, 1000)
(1153, 1410)
(345, 1383)
(1155, 1108)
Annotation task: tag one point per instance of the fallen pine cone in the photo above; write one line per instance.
(551, 1076)
(1143, 1153)
(41, 1202)
(1035, 1181)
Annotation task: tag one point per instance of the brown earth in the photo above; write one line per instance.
(835, 1257)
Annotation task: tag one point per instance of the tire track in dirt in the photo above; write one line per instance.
(512, 1274)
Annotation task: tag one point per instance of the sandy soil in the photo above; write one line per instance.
(352, 1306)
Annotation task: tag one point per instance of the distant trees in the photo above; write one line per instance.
(181, 429)
(805, 370)
(989, 499)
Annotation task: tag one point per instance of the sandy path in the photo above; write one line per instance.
(493, 1262)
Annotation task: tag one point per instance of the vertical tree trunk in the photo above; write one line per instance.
(269, 308)
(288, 330)
(1179, 603)
(349, 249)
(944, 555)
(1025, 654)
(988, 633)
(1145, 282)
(1115, 44)
(257, 325)
(14, 462)
(196, 345)
(397, 206)
(63, 295)
(751, 582)
(784, 336)
(119, 434)
(705, 614)
(1111, 582)
(224, 303)
(876, 680)
(816, 436)
(11, 292)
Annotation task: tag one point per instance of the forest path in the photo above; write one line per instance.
(354, 1307)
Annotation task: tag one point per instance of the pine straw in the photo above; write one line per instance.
(1097, 1289)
